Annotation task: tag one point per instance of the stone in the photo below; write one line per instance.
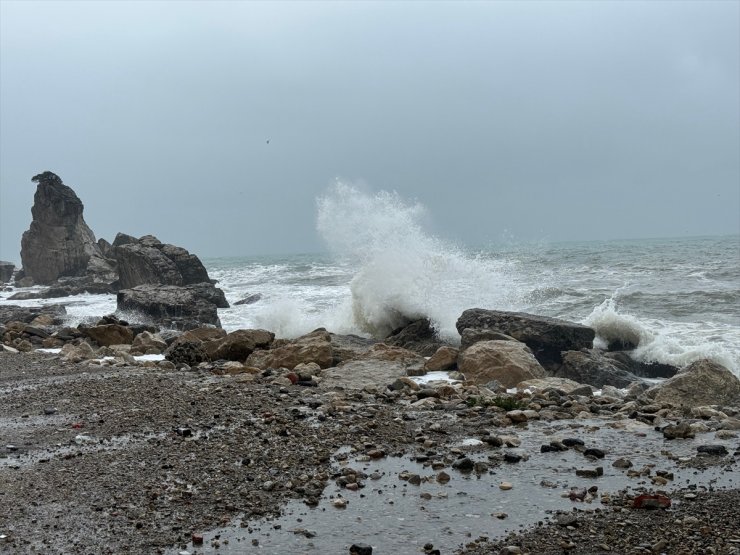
(149, 261)
(444, 358)
(172, 306)
(563, 384)
(313, 347)
(77, 353)
(239, 344)
(148, 343)
(505, 486)
(418, 336)
(349, 347)
(6, 271)
(59, 242)
(360, 549)
(464, 464)
(546, 337)
(249, 299)
(507, 362)
(108, 334)
(471, 336)
(703, 382)
(593, 368)
(595, 453)
(681, 430)
(26, 314)
(713, 450)
(590, 472)
(191, 353)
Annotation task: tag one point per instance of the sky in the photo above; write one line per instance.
(216, 125)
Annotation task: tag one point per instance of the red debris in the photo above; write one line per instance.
(197, 539)
(293, 377)
(78, 425)
(648, 501)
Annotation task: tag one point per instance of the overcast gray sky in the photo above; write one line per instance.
(532, 120)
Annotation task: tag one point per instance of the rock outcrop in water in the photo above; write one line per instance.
(6, 271)
(547, 337)
(58, 243)
(149, 261)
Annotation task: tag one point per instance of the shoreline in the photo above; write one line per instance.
(121, 458)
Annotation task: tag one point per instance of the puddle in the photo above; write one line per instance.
(392, 515)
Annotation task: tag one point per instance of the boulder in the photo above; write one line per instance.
(507, 362)
(642, 369)
(418, 336)
(148, 343)
(547, 337)
(359, 374)
(561, 384)
(58, 242)
(593, 368)
(703, 382)
(444, 359)
(187, 352)
(349, 347)
(6, 271)
(27, 314)
(172, 306)
(313, 347)
(239, 344)
(149, 261)
(471, 336)
(108, 334)
(249, 299)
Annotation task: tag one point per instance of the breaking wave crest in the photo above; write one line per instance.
(403, 273)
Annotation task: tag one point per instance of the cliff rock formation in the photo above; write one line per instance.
(59, 242)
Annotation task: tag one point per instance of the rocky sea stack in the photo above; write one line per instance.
(59, 243)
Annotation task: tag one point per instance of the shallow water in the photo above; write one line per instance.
(394, 516)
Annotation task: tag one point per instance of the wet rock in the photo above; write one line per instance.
(464, 464)
(360, 549)
(471, 336)
(508, 362)
(185, 307)
(593, 368)
(313, 347)
(418, 336)
(505, 486)
(239, 344)
(649, 501)
(595, 453)
(590, 472)
(622, 463)
(6, 271)
(108, 334)
(678, 431)
(703, 382)
(547, 337)
(713, 450)
(148, 343)
(249, 299)
(191, 353)
(573, 442)
(445, 358)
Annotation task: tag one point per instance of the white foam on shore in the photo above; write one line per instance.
(429, 377)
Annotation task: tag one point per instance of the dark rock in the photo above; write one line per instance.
(418, 336)
(595, 453)
(512, 458)
(178, 307)
(108, 334)
(681, 430)
(26, 314)
(250, 299)
(360, 549)
(187, 352)
(642, 369)
(464, 464)
(590, 472)
(149, 261)
(714, 450)
(573, 442)
(547, 337)
(6, 271)
(593, 368)
(471, 336)
(58, 242)
(349, 347)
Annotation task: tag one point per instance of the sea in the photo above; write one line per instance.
(677, 299)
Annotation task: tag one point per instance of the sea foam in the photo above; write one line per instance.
(403, 272)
